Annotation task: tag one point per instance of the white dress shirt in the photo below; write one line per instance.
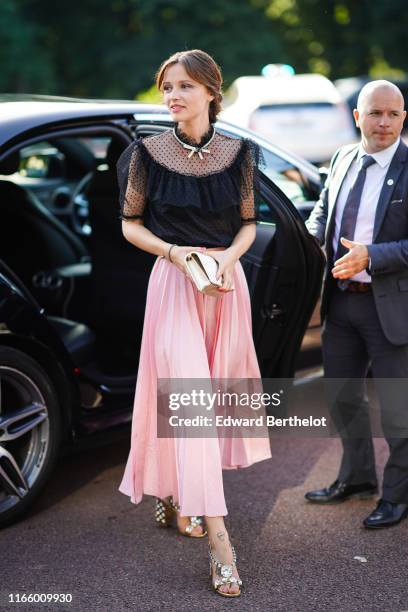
(371, 192)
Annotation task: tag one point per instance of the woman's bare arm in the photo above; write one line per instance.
(243, 240)
(140, 236)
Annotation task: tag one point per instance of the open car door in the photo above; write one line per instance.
(284, 268)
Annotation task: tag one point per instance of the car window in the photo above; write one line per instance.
(273, 119)
(41, 160)
(98, 146)
(286, 176)
(68, 157)
(56, 172)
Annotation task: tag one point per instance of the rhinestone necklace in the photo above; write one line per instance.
(195, 149)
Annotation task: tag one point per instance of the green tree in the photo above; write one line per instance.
(25, 64)
(112, 49)
(389, 29)
(342, 38)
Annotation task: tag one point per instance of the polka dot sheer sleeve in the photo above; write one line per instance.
(250, 197)
(131, 175)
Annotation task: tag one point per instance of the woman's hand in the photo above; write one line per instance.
(178, 254)
(226, 260)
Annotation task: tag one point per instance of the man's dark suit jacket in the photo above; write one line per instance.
(389, 251)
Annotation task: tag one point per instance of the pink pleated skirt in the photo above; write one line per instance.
(187, 334)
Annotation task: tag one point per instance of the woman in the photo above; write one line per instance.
(191, 188)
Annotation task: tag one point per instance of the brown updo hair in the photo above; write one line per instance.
(202, 68)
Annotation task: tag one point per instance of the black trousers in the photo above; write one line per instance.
(352, 340)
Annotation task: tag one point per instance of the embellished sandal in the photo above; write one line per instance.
(223, 573)
(167, 509)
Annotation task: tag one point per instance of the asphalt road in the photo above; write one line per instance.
(85, 538)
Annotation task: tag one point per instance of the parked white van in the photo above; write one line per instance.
(303, 113)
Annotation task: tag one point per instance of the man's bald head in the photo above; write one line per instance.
(377, 86)
(380, 115)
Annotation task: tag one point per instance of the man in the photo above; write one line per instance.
(362, 218)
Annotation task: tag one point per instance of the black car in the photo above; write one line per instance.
(72, 289)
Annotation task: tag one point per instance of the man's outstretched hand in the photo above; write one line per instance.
(353, 262)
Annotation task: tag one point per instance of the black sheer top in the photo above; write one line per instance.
(187, 200)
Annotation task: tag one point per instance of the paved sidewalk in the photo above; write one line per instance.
(85, 538)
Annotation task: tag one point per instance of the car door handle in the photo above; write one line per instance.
(272, 312)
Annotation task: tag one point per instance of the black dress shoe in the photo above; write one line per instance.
(386, 514)
(340, 491)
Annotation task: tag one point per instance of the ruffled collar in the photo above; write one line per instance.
(190, 141)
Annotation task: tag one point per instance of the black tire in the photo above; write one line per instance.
(16, 363)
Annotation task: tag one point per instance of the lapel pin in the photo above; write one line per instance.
(390, 182)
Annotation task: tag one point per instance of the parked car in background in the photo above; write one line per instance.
(73, 290)
(303, 113)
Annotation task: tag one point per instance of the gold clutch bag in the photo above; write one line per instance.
(203, 269)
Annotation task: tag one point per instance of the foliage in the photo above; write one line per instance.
(342, 38)
(112, 48)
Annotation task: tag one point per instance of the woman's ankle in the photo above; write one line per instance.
(218, 535)
(219, 538)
